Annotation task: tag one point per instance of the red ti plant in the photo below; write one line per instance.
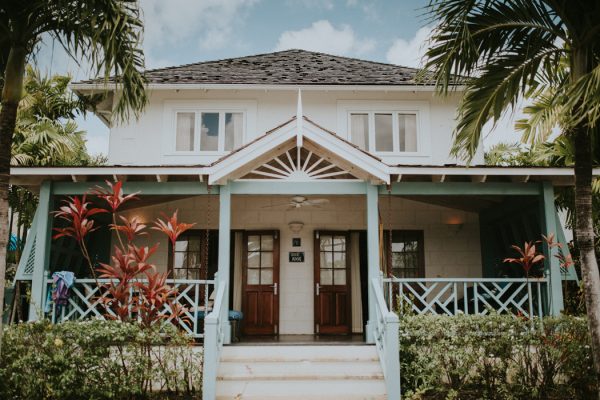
(529, 257)
(125, 294)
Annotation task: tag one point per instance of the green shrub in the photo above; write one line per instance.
(96, 360)
(495, 357)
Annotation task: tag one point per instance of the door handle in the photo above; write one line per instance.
(274, 286)
(317, 287)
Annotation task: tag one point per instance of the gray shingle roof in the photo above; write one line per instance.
(295, 67)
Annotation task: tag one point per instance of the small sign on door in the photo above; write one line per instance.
(296, 256)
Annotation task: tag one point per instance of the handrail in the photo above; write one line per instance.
(387, 341)
(518, 296)
(214, 337)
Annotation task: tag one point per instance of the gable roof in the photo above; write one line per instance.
(288, 67)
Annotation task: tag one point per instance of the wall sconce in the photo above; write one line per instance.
(454, 224)
(296, 226)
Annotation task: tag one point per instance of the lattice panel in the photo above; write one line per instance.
(299, 164)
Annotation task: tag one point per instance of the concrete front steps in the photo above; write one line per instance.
(300, 372)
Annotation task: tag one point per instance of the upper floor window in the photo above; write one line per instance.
(208, 131)
(384, 132)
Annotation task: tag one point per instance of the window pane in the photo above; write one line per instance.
(326, 277)
(339, 277)
(184, 140)
(339, 243)
(234, 129)
(266, 276)
(359, 130)
(181, 244)
(266, 260)
(254, 243)
(266, 243)
(179, 260)
(253, 259)
(339, 260)
(209, 137)
(326, 260)
(253, 276)
(384, 140)
(180, 274)
(326, 243)
(407, 129)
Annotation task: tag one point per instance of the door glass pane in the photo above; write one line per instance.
(326, 243)
(266, 276)
(254, 243)
(359, 130)
(326, 277)
(407, 130)
(384, 140)
(253, 276)
(339, 243)
(234, 130)
(266, 260)
(179, 259)
(209, 135)
(184, 138)
(179, 274)
(266, 243)
(339, 260)
(326, 259)
(254, 259)
(339, 277)
(181, 245)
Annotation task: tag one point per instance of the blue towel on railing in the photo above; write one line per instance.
(61, 283)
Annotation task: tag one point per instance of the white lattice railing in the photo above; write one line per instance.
(518, 296)
(86, 301)
(386, 336)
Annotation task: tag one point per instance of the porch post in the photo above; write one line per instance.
(224, 254)
(43, 236)
(552, 265)
(372, 254)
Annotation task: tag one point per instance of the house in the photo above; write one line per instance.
(324, 195)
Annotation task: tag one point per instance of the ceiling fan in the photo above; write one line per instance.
(300, 201)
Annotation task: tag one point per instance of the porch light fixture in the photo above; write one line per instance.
(296, 226)
(454, 224)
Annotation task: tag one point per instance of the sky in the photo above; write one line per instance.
(186, 31)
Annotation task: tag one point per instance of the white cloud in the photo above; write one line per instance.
(409, 52)
(324, 37)
(208, 22)
(320, 4)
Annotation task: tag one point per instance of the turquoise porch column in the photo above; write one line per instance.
(549, 226)
(372, 253)
(224, 254)
(43, 235)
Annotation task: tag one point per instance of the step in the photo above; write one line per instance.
(299, 353)
(301, 390)
(299, 370)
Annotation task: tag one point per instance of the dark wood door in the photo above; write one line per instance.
(332, 283)
(260, 299)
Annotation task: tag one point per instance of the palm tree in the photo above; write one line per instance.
(106, 33)
(501, 51)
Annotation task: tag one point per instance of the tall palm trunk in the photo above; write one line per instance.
(584, 225)
(11, 95)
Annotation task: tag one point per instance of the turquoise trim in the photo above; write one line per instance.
(224, 255)
(292, 188)
(463, 188)
(146, 188)
(560, 236)
(548, 212)
(42, 251)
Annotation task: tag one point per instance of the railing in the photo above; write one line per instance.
(87, 296)
(213, 343)
(386, 337)
(450, 296)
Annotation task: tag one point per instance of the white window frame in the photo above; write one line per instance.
(172, 108)
(418, 108)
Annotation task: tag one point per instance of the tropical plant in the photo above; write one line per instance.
(500, 51)
(105, 33)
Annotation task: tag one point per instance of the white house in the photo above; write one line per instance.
(326, 192)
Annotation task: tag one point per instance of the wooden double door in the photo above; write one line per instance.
(333, 314)
(260, 289)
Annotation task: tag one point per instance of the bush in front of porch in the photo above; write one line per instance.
(98, 360)
(495, 357)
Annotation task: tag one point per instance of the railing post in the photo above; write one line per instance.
(372, 254)
(548, 217)
(392, 360)
(42, 252)
(211, 355)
